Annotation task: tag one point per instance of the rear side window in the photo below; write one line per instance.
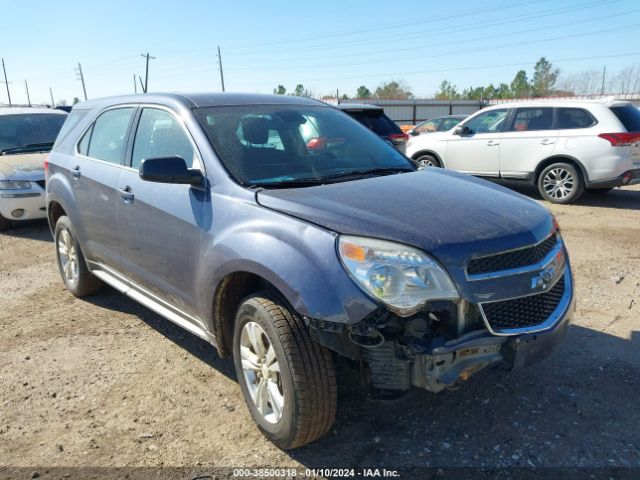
(105, 140)
(574, 118)
(160, 135)
(377, 122)
(72, 120)
(629, 116)
(532, 119)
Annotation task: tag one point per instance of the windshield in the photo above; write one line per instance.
(272, 145)
(29, 131)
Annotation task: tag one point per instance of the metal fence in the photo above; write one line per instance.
(410, 112)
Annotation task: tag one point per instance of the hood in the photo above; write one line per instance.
(28, 166)
(452, 216)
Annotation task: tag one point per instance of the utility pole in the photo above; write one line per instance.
(135, 84)
(220, 68)
(26, 87)
(338, 96)
(604, 74)
(81, 78)
(53, 104)
(146, 76)
(6, 82)
(141, 84)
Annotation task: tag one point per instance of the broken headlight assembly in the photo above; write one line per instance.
(402, 277)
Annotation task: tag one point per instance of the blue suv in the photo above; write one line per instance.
(285, 233)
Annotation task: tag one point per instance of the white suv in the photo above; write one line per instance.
(562, 147)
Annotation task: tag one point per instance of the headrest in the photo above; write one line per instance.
(255, 130)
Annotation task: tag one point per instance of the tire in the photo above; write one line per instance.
(4, 224)
(599, 191)
(300, 373)
(427, 160)
(73, 268)
(561, 183)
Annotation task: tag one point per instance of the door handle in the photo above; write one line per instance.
(76, 172)
(493, 143)
(125, 194)
(547, 141)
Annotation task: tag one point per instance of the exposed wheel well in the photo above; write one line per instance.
(560, 158)
(426, 152)
(231, 291)
(54, 212)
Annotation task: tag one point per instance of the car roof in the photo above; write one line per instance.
(357, 106)
(560, 102)
(23, 110)
(198, 100)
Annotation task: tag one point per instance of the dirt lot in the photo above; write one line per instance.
(105, 382)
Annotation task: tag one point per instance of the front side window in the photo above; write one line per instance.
(159, 134)
(276, 145)
(105, 139)
(487, 122)
(533, 119)
(27, 132)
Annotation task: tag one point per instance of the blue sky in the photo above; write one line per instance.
(324, 45)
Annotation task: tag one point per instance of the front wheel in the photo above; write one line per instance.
(427, 160)
(561, 183)
(287, 380)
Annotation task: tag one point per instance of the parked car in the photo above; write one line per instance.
(26, 134)
(210, 210)
(374, 118)
(438, 124)
(562, 147)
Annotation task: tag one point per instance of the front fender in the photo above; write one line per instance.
(297, 258)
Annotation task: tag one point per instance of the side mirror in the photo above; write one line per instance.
(462, 130)
(169, 170)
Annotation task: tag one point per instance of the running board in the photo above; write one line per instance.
(137, 294)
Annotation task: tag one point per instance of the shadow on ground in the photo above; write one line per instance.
(618, 198)
(578, 408)
(32, 230)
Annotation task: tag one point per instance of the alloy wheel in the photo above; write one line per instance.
(68, 255)
(559, 183)
(261, 372)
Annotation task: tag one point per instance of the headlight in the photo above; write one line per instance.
(403, 277)
(14, 184)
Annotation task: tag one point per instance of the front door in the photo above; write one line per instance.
(160, 225)
(477, 152)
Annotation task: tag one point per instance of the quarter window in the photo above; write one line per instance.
(574, 118)
(160, 135)
(105, 140)
(533, 119)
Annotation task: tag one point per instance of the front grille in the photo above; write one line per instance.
(42, 183)
(524, 311)
(514, 259)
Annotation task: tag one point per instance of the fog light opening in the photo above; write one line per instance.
(17, 213)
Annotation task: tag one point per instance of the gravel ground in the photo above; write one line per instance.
(104, 382)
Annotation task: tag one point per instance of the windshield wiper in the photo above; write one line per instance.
(302, 182)
(369, 171)
(32, 147)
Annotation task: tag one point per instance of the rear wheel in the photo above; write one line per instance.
(287, 380)
(561, 183)
(4, 224)
(73, 268)
(427, 161)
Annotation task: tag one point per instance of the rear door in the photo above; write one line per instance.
(94, 171)
(530, 137)
(478, 151)
(160, 224)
